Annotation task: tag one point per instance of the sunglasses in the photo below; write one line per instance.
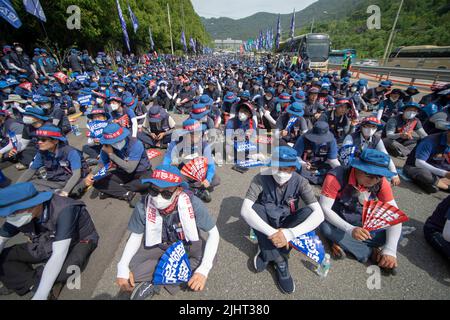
(44, 139)
(166, 194)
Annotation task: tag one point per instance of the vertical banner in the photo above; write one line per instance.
(124, 26)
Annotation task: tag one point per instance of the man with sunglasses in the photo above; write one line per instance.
(343, 195)
(170, 213)
(63, 164)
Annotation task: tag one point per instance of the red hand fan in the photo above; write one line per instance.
(152, 154)
(196, 169)
(381, 216)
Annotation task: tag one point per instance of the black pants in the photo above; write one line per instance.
(268, 251)
(117, 183)
(92, 151)
(18, 274)
(437, 241)
(399, 148)
(149, 142)
(25, 157)
(422, 177)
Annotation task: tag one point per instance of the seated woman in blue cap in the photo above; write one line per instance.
(56, 114)
(391, 105)
(201, 112)
(228, 104)
(62, 235)
(404, 130)
(291, 124)
(343, 195)
(188, 145)
(62, 165)
(313, 107)
(157, 128)
(339, 119)
(123, 161)
(273, 208)
(97, 121)
(168, 214)
(317, 151)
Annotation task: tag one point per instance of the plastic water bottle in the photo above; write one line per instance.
(407, 230)
(324, 267)
(42, 173)
(253, 237)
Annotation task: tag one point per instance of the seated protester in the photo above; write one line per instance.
(64, 165)
(437, 229)
(291, 124)
(172, 206)
(275, 208)
(390, 107)
(157, 128)
(185, 99)
(229, 101)
(213, 91)
(125, 161)
(97, 121)
(269, 110)
(366, 137)
(343, 195)
(201, 112)
(338, 120)
(325, 98)
(57, 115)
(428, 165)
(372, 104)
(410, 92)
(100, 99)
(15, 105)
(282, 102)
(313, 108)
(317, 151)
(189, 146)
(240, 129)
(438, 120)
(399, 139)
(11, 143)
(61, 235)
(162, 95)
(122, 115)
(377, 92)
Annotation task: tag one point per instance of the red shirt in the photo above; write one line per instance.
(331, 187)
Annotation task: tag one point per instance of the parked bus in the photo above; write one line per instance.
(337, 56)
(314, 46)
(420, 57)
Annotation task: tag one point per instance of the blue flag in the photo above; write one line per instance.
(310, 245)
(34, 7)
(152, 44)
(278, 38)
(183, 41)
(293, 25)
(133, 18)
(8, 13)
(193, 45)
(124, 25)
(173, 267)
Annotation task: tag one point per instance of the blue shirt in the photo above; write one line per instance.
(332, 148)
(134, 154)
(429, 146)
(73, 158)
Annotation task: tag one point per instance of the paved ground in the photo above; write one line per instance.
(422, 274)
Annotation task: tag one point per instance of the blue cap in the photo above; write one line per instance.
(50, 131)
(114, 133)
(36, 113)
(296, 109)
(373, 162)
(21, 196)
(166, 176)
(285, 157)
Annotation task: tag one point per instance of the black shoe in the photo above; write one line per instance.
(285, 281)
(429, 189)
(91, 162)
(103, 196)
(258, 263)
(4, 291)
(204, 196)
(144, 290)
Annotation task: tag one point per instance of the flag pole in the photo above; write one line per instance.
(170, 28)
(42, 24)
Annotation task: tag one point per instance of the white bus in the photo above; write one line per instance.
(420, 57)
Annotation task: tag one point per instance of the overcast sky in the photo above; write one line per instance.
(237, 9)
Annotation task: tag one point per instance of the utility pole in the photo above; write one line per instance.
(312, 25)
(170, 28)
(392, 33)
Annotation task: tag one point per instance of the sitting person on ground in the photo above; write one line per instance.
(178, 216)
(157, 128)
(280, 205)
(98, 119)
(343, 195)
(61, 235)
(11, 143)
(338, 119)
(317, 151)
(291, 124)
(437, 229)
(60, 167)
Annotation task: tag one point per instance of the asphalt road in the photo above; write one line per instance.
(423, 274)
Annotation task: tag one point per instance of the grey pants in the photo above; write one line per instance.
(399, 148)
(42, 185)
(144, 262)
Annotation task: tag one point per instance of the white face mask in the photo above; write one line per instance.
(115, 106)
(243, 117)
(28, 120)
(393, 100)
(160, 203)
(409, 115)
(281, 177)
(99, 101)
(19, 220)
(119, 145)
(368, 132)
(46, 106)
(120, 90)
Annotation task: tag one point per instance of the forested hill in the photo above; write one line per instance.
(100, 26)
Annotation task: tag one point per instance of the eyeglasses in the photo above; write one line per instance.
(166, 194)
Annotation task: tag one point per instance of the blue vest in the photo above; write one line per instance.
(144, 163)
(357, 142)
(58, 166)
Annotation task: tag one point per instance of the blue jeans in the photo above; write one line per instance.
(362, 250)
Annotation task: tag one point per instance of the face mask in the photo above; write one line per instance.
(19, 50)
(120, 90)
(8, 90)
(58, 95)
(281, 177)
(409, 115)
(243, 117)
(20, 220)
(99, 101)
(119, 145)
(368, 132)
(114, 107)
(103, 88)
(393, 100)
(353, 89)
(28, 120)
(46, 106)
(160, 203)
